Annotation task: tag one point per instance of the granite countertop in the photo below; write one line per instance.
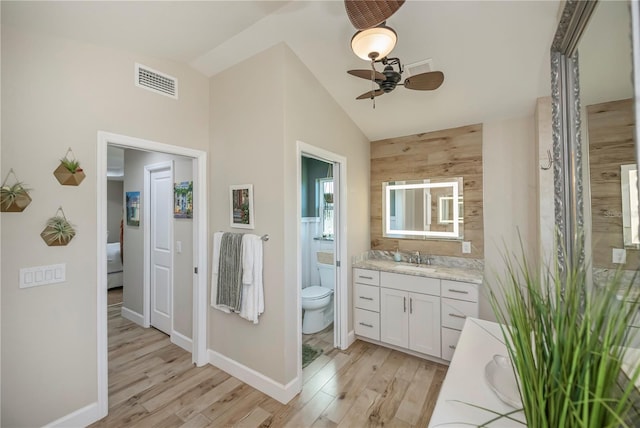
(431, 271)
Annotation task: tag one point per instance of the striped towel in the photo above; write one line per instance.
(229, 292)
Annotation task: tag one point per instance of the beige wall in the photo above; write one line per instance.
(134, 163)
(510, 207)
(115, 202)
(254, 129)
(58, 93)
(313, 117)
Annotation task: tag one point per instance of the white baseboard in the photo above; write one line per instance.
(132, 316)
(182, 341)
(80, 418)
(275, 390)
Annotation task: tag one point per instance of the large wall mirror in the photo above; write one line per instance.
(594, 133)
(608, 125)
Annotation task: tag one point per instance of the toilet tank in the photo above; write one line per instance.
(326, 269)
(327, 275)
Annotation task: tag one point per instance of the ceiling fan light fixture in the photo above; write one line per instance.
(374, 43)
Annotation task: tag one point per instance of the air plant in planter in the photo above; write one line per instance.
(14, 198)
(567, 345)
(69, 172)
(58, 231)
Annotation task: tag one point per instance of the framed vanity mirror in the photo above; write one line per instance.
(423, 209)
(594, 135)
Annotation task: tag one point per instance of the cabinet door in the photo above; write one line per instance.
(424, 324)
(394, 317)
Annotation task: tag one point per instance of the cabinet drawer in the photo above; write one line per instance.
(460, 290)
(367, 297)
(410, 283)
(366, 276)
(454, 312)
(367, 324)
(449, 341)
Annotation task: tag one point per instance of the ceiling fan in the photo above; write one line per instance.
(389, 78)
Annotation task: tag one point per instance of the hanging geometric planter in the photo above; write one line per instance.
(59, 231)
(69, 172)
(13, 198)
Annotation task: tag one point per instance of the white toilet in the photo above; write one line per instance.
(317, 301)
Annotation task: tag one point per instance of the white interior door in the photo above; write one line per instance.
(161, 269)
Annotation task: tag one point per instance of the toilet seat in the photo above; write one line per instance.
(315, 292)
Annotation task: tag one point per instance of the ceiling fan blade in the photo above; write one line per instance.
(369, 13)
(425, 81)
(371, 94)
(366, 74)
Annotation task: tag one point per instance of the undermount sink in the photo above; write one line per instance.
(417, 269)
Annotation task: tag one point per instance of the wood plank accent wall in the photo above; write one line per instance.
(611, 144)
(453, 152)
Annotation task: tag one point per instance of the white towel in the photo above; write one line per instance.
(252, 290)
(215, 263)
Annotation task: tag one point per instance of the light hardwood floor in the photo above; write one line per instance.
(152, 383)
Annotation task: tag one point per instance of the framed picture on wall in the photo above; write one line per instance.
(241, 206)
(133, 208)
(183, 200)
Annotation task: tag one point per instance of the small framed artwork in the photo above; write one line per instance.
(183, 199)
(133, 208)
(242, 206)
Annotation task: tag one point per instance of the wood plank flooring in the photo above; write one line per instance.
(152, 383)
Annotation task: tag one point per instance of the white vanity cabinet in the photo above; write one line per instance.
(410, 312)
(459, 301)
(366, 296)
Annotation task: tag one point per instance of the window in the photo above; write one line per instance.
(325, 205)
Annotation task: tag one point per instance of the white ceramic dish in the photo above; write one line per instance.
(501, 379)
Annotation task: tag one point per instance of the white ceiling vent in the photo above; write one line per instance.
(424, 66)
(156, 81)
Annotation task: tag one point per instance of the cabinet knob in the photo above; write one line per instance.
(366, 325)
(366, 298)
(452, 347)
(452, 290)
(457, 316)
(365, 277)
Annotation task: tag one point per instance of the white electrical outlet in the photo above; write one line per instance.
(466, 247)
(179, 247)
(619, 256)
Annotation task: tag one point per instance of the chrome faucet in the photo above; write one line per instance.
(418, 259)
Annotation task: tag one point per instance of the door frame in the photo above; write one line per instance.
(341, 313)
(146, 278)
(200, 232)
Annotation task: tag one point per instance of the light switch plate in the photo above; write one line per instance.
(42, 275)
(619, 256)
(179, 247)
(466, 247)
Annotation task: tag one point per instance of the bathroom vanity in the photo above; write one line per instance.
(417, 309)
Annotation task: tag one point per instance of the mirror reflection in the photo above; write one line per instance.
(630, 219)
(423, 209)
(606, 93)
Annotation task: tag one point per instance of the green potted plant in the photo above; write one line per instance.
(58, 231)
(69, 172)
(72, 165)
(14, 198)
(567, 345)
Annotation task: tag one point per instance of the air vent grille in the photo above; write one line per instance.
(419, 67)
(156, 81)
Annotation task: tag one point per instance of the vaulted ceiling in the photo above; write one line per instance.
(494, 54)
